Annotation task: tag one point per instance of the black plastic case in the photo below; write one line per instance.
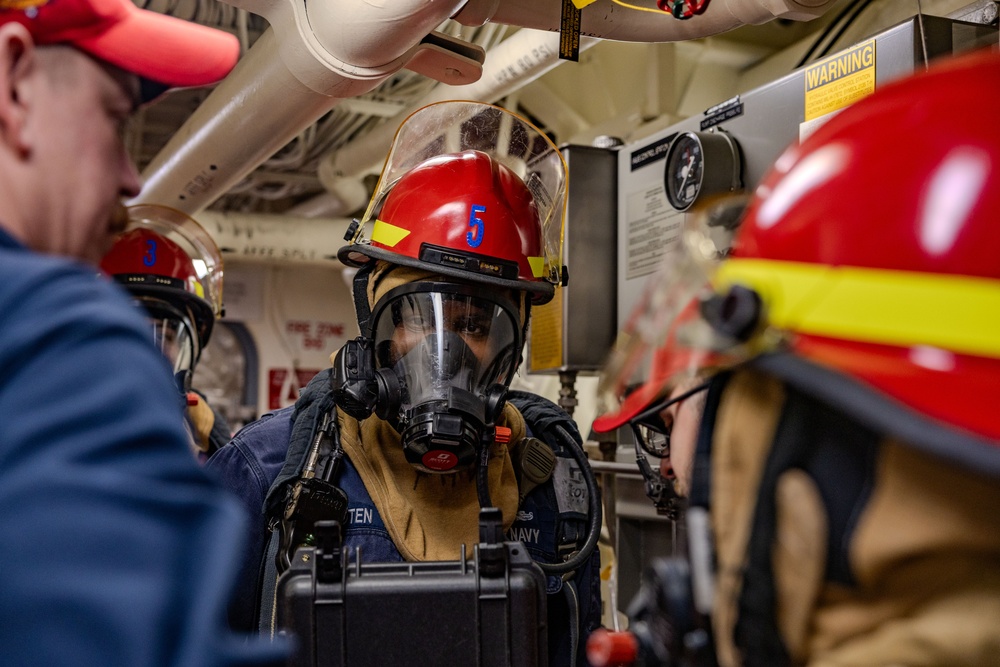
(488, 611)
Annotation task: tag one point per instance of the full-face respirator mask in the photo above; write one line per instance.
(174, 333)
(435, 363)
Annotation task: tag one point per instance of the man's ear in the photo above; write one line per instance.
(17, 62)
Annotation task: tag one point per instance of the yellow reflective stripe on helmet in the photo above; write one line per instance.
(388, 235)
(902, 308)
(537, 266)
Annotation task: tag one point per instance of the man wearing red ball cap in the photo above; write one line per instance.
(118, 549)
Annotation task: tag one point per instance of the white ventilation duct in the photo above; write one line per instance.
(530, 53)
(312, 57)
(610, 20)
(321, 52)
(512, 64)
(253, 237)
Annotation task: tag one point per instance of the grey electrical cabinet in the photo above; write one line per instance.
(748, 132)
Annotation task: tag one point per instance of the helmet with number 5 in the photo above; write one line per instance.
(463, 234)
(469, 191)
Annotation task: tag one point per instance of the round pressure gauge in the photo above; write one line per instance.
(699, 164)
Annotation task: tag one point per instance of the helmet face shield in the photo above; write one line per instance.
(437, 337)
(477, 183)
(672, 335)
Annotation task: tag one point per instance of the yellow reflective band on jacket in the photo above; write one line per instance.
(387, 234)
(901, 308)
(537, 265)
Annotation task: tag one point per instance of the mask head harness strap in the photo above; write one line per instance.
(360, 291)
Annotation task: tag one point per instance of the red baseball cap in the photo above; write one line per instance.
(163, 49)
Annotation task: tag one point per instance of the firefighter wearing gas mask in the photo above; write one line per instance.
(414, 428)
(173, 269)
(845, 345)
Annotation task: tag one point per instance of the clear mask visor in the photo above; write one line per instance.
(174, 338)
(440, 336)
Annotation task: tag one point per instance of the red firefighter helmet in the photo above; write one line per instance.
(472, 191)
(876, 241)
(165, 256)
(871, 251)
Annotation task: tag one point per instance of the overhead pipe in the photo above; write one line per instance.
(251, 114)
(312, 57)
(512, 64)
(317, 54)
(607, 19)
(329, 203)
(252, 237)
(534, 51)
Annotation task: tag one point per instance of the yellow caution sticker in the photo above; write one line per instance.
(388, 235)
(840, 80)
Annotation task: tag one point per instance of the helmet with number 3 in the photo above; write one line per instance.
(173, 268)
(470, 191)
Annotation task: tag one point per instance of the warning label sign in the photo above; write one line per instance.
(652, 226)
(836, 82)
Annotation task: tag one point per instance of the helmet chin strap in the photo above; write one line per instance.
(360, 290)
